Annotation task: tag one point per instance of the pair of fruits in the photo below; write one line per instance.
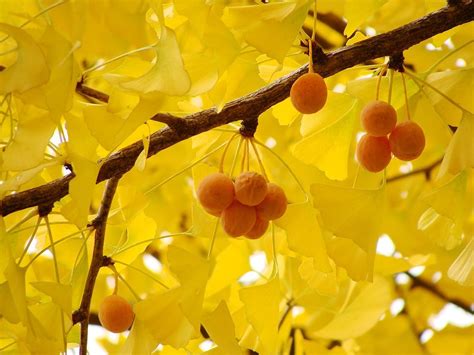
(116, 314)
(245, 206)
(406, 140)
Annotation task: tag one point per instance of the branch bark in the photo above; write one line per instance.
(254, 104)
(99, 223)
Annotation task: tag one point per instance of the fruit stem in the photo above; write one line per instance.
(262, 168)
(234, 161)
(275, 270)
(310, 48)
(356, 177)
(30, 240)
(390, 86)
(221, 165)
(406, 95)
(112, 267)
(142, 272)
(379, 80)
(315, 14)
(213, 240)
(129, 287)
(298, 182)
(245, 156)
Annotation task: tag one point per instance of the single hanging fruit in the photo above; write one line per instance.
(116, 314)
(215, 193)
(274, 204)
(407, 141)
(373, 153)
(250, 188)
(238, 219)
(309, 93)
(378, 118)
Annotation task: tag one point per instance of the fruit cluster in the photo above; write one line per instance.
(245, 206)
(384, 136)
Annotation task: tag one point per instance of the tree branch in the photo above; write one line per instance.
(254, 104)
(428, 286)
(428, 170)
(99, 223)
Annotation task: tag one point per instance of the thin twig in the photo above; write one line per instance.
(428, 286)
(99, 223)
(426, 170)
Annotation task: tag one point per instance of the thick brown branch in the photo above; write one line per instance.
(257, 102)
(99, 223)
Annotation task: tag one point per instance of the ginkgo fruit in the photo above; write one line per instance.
(274, 204)
(258, 229)
(373, 153)
(378, 118)
(116, 314)
(309, 93)
(407, 141)
(238, 219)
(215, 193)
(250, 188)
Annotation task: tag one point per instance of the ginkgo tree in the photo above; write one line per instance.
(116, 113)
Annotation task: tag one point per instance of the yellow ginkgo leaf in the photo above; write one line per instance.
(32, 135)
(15, 276)
(167, 75)
(304, 234)
(462, 269)
(261, 23)
(60, 294)
(361, 314)
(220, 327)
(455, 84)
(81, 189)
(262, 310)
(141, 159)
(327, 146)
(111, 128)
(460, 152)
(57, 94)
(387, 265)
(176, 330)
(233, 84)
(357, 12)
(139, 341)
(193, 284)
(324, 283)
(30, 68)
(358, 263)
(354, 214)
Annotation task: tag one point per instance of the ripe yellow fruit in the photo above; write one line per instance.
(116, 314)
(258, 229)
(215, 192)
(238, 219)
(274, 204)
(250, 188)
(407, 141)
(378, 118)
(373, 153)
(309, 93)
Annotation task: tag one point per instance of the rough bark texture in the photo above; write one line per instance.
(254, 104)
